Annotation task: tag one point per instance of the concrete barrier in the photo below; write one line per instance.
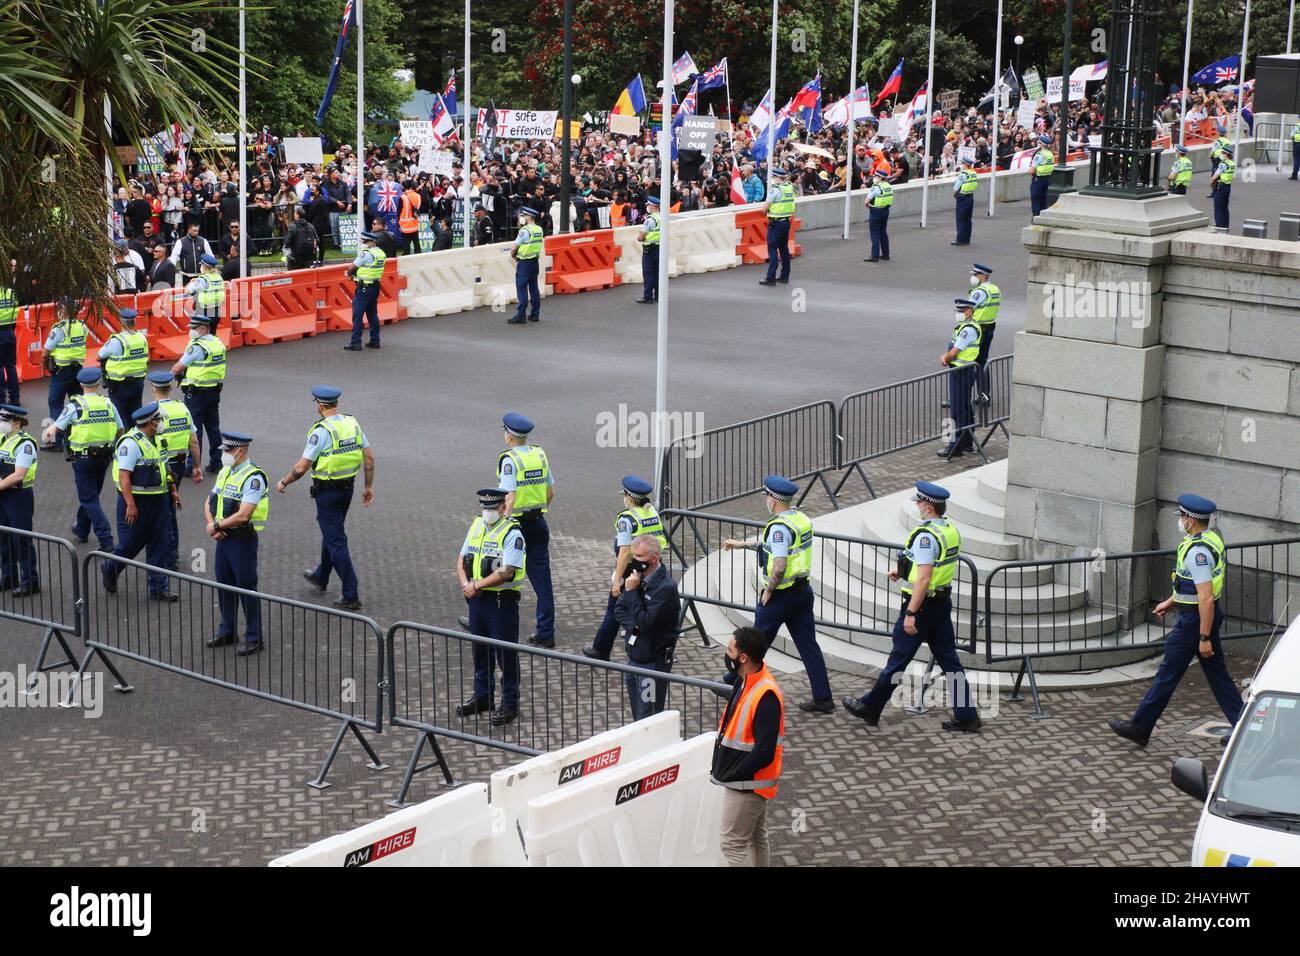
(514, 787)
(439, 283)
(705, 243)
(658, 811)
(628, 265)
(496, 275)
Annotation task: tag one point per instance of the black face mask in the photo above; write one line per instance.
(732, 663)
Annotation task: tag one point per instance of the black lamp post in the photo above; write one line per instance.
(1062, 176)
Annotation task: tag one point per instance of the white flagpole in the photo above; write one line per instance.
(242, 160)
(361, 125)
(1187, 62)
(731, 120)
(1241, 85)
(848, 154)
(929, 113)
(771, 128)
(996, 138)
(1281, 135)
(665, 204)
(468, 145)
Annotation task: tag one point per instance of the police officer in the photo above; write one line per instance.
(1199, 570)
(928, 564)
(92, 425)
(785, 561)
(780, 213)
(964, 190)
(988, 302)
(1221, 187)
(879, 198)
(1295, 150)
(1180, 173)
(18, 571)
(177, 440)
(524, 473)
(65, 354)
(649, 240)
(9, 341)
(491, 570)
(638, 517)
(202, 372)
(1043, 164)
(526, 251)
(236, 512)
(208, 290)
(125, 361)
(962, 356)
(368, 271)
(649, 610)
(336, 451)
(1220, 141)
(142, 517)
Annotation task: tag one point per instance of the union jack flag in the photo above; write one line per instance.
(714, 76)
(347, 18)
(387, 194)
(449, 94)
(337, 66)
(1225, 75)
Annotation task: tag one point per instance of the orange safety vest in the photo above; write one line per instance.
(407, 220)
(737, 733)
(617, 214)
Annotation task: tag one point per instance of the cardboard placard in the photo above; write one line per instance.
(697, 132)
(303, 149)
(624, 125)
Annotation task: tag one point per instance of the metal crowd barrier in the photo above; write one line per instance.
(314, 659)
(563, 698)
(850, 577)
(51, 563)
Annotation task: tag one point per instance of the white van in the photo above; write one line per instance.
(1252, 812)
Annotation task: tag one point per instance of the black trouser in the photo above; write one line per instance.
(9, 365)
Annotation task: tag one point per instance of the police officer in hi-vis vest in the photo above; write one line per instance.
(1221, 186)
(142, 516)
(526, 251)
(1200, 567)
(928, 565)
(368, 271)
(18, 570)
(125, 361)
(208, 290)
(1043, 164)
(1295, 150)
(638, 517)
(780, 214)
(9, 339)
(491, 568)
(65, 354)
(1180, 173)
(963, 188)
(202, 372)
(337, 450)
(880, 197)
(92, 425)
(988, 302)
(236, 514)
(962, 356)
(178, 440)
(649, 239)
(785, 594)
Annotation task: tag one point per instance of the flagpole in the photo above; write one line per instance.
(731, 123)
(996, 138)
(929, 93)
(771, 128)
(467, 144)
(1241, 85)
(665, 218)
(243, 152)
(848, 155)
(361, 123)
(1281, 139)
(1187, 61)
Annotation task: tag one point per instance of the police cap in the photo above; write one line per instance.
(516, 424)
(491, 497)
(89, 376)
(1044, 139)
(145, 413)
(780, 488)
(652, 200)
(982, 269)
(326, 394)
(1194, 506)
(161, 379)
(235, 440)
(128, 315)
(963, 303)
(928, 491)
(529, 211)
(208, 259)
(636, 487)
(12, 412)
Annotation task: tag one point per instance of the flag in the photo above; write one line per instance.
(919, 106)
(1248, 117)
(440, 120)
(384, 196)
(1024, 159)
(487, 131)
(714, 76)
(449, 94)
(782, 130)
(1090, 72)
(632, 100)
(809, 96)
(737, 190)
(686, 109)
(892, 84)
(762, 115)
(348, 18)
(1008, 83)
(1218, 73)
(837, 114)
(683, 68)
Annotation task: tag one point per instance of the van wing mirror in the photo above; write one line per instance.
(1189, 776)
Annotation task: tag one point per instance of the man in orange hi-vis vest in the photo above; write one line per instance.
(747, 755)
(408, 219)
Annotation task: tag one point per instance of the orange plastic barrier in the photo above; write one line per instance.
(336, 291)
(582, 261)
(284, 307)
(33, 325)
(752, 224)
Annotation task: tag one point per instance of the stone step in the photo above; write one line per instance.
(974, 539)
(970, 509)
(992, 482)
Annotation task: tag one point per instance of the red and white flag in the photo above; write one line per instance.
(441, 122)
(737, 190)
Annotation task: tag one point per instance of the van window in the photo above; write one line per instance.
(1261, 784)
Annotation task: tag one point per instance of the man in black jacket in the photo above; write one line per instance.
(648, 611)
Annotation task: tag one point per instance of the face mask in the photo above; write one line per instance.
(732, 663)
(227, 459)
(1179, 523)
(959, 317)
(638, 566)
(974, 281)
(195, 333)
(489, 515)
(6, 428)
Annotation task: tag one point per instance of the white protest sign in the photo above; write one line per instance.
(624, 125)
(964, 153)
(523, 124)
(303, 149)
(697, 132)
(1054, 89)
(417, 133)
(436, 161)
(1026, 113)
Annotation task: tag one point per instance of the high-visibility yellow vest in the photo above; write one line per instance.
(969, 354)
(798, 563)
(209, 370)
(1182, 171)
(1184, 586)
(149, 477)
(969, 182)
(531, 247)
(1217, 148)
(987, 313)
(8, 307)
(229, 490)
(945, 566)
(72, 350)
(1226, 168)
(782, 202)
(485, 547)
(1295, 133)
(134, 360)
(651, 230)
(9, 454)
(94, 426)
(532, 469)
(343, 457)
(645, 520)
(1044, 162)
(211, 293)
(886, 196)
(375, 271)
(173, 435)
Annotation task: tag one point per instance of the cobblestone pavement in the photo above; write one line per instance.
(183, 773)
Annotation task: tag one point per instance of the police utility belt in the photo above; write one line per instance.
(321, 485)
(95, 452)
(190, 390)
(532, 514)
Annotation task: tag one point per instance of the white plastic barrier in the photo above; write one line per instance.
(514, 787)
(659, 811)
(454, 829)
(706, 243)
(438, 283)
(496, 275)
(628, 264)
